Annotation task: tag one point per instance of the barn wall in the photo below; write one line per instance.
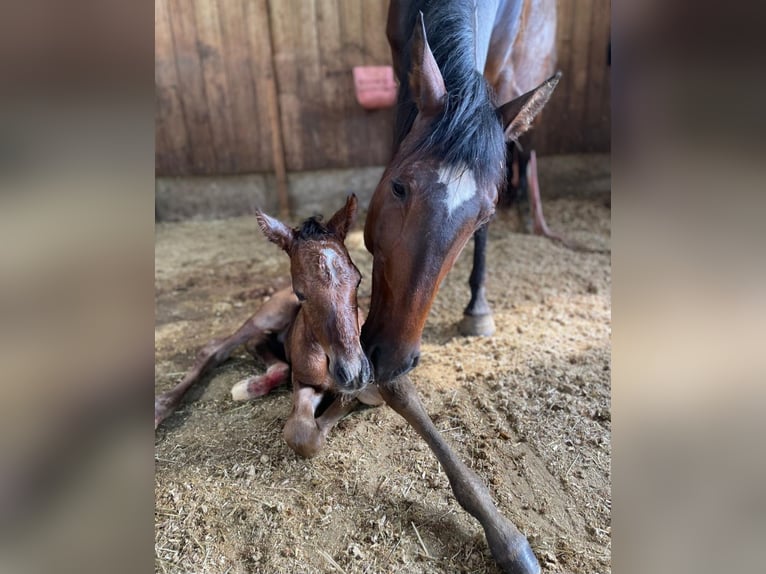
(231, 74)
(577, 118)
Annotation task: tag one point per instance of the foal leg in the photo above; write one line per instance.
(477, 317)
(277, 372)
(274, 315)
(509, 547)
(306, 434)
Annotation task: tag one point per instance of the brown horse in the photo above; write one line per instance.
(449, 160)
(310, 329)
(457, 62)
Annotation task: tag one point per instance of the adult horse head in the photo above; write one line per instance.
(440, 186)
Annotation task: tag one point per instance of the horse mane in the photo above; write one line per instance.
(312, 228)
(468, 131)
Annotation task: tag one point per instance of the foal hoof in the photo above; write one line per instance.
(164, 405)
(477, 326)
(259, 385)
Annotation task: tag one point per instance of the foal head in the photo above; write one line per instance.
(325, 280)
(439, 188)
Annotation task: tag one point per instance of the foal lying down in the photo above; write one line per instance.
(310, 330)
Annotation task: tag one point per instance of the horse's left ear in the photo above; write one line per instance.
(426, 81)
(275, 231)
(517, 115)
(341, 222)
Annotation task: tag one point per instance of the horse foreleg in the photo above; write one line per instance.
(477, 317)
(273, 316)
(305, 433)
(509, 547)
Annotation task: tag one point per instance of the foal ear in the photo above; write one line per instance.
(341, 222)
(275, 231)
(426, 80)
(517, 115)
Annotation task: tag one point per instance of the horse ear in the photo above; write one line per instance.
(426, 80)
(341, 222)
(517, 115)
(275, 231)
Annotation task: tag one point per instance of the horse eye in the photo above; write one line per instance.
(398, 188)
(300, 296)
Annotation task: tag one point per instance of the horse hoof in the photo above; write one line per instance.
(514, 556)
(477, 326)
(524, 562)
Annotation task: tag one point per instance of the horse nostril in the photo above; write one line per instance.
(415, 361)
(342, 375)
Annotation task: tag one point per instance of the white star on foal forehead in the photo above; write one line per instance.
(460, 183)
(331, 262)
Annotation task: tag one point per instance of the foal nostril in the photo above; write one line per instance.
(342, 375)
(415, 361)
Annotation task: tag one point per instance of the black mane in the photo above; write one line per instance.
(312, 228)
(468, 131)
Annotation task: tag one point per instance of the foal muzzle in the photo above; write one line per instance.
(351, 376)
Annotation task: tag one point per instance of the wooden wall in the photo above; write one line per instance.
(578, 116)
(241, 84)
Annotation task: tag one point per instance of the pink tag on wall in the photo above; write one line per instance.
(375, 86)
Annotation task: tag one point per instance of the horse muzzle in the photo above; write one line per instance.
(387, 367)
(351, 376)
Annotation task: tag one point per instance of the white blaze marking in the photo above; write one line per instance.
(461, 186)
(331, 257)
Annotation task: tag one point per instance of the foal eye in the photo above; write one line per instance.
(398, 189)
(300, 296)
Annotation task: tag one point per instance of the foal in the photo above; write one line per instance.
(311, 329)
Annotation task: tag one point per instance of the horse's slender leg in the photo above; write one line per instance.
(275, 314)
(306, 434)
(522, 187)
(539, 226)
(477, 317)
(509, 547)
(210, 356)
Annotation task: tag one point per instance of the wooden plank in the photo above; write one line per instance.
(293, 26)
(547, 135)
(209, 47)
(259, 51)
(597, 119)
(354, 126)
(333, 89)
(380, 123)
(171, 141)
(584, 40)
(191, 85)
(376, 49)
(316, 45)
(247, 61)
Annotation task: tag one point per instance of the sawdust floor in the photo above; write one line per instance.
(528, 409)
